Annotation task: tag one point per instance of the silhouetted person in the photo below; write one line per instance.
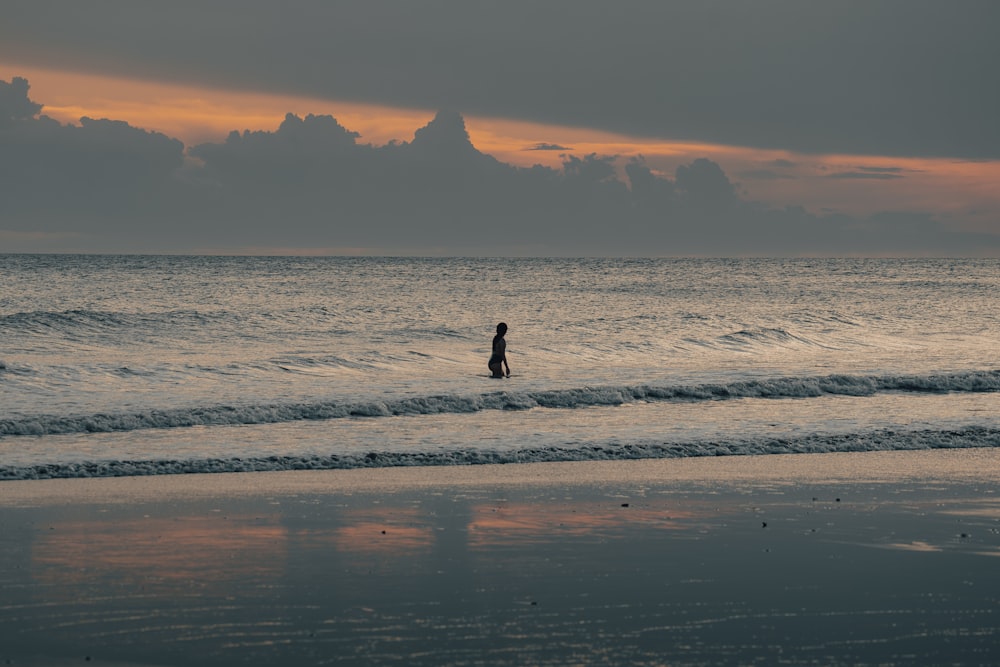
(499, 357)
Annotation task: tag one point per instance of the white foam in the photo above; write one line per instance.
(580, 397)
(879, 440)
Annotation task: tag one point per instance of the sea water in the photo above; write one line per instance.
(128, 365)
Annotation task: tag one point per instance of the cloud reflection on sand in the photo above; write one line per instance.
(156, 551)
(492, 525)
(644, 564)
(384, 532)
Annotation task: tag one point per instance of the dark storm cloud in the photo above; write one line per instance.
(97, 175)
(106, 186)
(14, 102)
(879, 77)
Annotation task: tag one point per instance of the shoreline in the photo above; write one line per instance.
(866, 558)
(871, 466)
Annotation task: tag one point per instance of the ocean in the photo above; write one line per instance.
(142, 365)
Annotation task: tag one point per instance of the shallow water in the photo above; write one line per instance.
(139, 365)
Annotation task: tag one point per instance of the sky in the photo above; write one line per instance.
(441, 127)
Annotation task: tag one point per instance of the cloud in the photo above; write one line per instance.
(547, 147)
(101, 173)
(873, 173)
(883, 170)
(764, 175)
(773, 170)
(884, 77)
(704, 181)
(14, 102)
(106, 186)
(866, 174)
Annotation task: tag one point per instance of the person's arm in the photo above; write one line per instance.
(505, 359)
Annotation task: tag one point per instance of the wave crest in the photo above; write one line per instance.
(581, 397)
(882, 440)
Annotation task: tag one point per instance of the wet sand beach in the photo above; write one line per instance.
(873, 558)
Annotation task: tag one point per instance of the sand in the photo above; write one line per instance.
(876, 558)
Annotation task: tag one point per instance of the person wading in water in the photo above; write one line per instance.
(499, 357)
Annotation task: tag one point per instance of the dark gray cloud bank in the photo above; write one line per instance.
(105, 186)
(874, 77)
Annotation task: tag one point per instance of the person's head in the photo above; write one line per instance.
(501, 328)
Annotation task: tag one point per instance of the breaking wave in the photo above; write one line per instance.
(778, 388)
(881, 440)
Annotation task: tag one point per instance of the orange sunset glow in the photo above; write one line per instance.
(964, 190)
(538, 333)
(491, 526)
(391, 532)
(153, 550)
(195, 115)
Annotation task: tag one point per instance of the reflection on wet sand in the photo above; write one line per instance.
(388, 531)
(491, 525)
(625, 573)
(149, 551)
(986, 508)
(214, 550)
